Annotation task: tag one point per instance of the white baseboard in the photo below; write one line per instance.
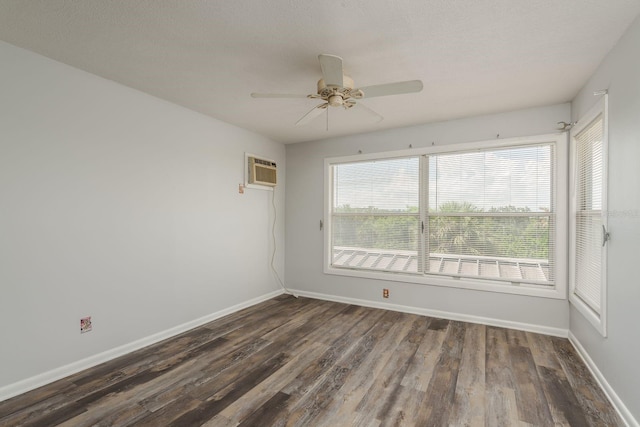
(48, 377)
(617, 403)
(546, 330)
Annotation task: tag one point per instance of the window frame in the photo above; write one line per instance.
(559, 194)
(597, 320)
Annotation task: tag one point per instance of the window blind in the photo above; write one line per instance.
(375, 215)
(491, 214)
(589, 172)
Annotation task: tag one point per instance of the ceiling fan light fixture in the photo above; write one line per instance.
(335, 100)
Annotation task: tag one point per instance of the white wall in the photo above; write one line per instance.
(617, 355)
(120, 206)
(304, 210)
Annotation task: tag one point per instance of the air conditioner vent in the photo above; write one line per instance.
(262, 172)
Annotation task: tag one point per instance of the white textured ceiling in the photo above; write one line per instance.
(474, 56)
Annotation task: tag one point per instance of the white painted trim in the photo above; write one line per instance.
(528, 327)
(613, 397)
(48, 377)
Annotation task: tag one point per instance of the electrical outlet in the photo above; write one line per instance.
(85, 324)
(385, 293)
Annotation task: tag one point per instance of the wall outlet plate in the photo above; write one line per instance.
(85, 324)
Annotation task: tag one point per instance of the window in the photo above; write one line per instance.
(375, 220)
(490, 214)
(479, 217)
(589, 222)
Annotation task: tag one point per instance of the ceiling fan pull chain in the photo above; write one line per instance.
(327, 119)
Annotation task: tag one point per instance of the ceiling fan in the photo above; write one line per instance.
(337, 89)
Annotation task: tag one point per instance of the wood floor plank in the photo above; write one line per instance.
(244, 407)
(170, 412)
(420, 371)
(530, 398)
(352, 362)
(339, 338)
(125, 398)
(542, 350)
(52, 418)
(321, 379)
(564, 405)
(224, 397)
(107, 416)
(161, 359)
(593, 401)
(19, 412)
(207, 368)
(469, 404)
(500, 384)
(303, 362)
(212, 393)
(343, 407)
(225, 361)
(382, 397)
(303, 345)
(264, 310)
(411, 394)
(267, 412)
(441, 392)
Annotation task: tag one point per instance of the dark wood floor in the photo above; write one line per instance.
(304, 362)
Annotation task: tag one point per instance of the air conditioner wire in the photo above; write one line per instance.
(273, 236)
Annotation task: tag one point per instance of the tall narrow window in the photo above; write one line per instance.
(589, 228)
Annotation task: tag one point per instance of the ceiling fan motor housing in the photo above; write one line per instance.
(336, 95)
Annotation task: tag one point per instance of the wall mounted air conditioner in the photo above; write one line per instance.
(261, 171)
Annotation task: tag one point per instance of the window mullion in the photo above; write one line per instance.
(424, 214)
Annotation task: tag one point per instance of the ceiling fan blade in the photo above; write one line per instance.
(315, 112)
(392, 88)
(363, 107)
(277, 95)
(331, 70)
